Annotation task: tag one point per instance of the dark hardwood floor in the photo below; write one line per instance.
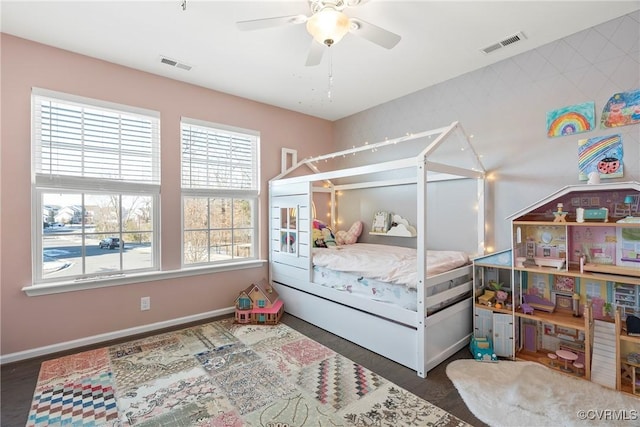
(19, 379)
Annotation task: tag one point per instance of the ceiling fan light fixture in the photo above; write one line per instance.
(328, 26)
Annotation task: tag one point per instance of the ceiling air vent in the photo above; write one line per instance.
(505, 42)
(171, 62)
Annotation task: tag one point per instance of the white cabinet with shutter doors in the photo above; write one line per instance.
(483, 323)
(491, 320)
(503, 335)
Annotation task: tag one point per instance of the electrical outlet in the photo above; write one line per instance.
(145, 303)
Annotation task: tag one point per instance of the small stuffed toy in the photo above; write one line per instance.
(318, 238)
(329, 239)
(316, 234)
(322, 235)
(351, 236)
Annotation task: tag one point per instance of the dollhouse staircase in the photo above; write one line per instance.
(603, 366)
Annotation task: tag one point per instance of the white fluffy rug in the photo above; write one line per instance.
(529, 394)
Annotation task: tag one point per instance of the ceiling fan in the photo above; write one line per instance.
(327, 24)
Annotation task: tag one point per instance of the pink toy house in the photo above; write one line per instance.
(259, 304)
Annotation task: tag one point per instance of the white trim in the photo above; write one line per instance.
(391, 165)
(243, 132)
(286, 154)
(62, 184)
(93, 102)
(81, 342)
(128, 279)
(366, 147)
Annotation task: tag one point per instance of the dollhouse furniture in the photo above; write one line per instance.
(560, 215)
(435, 320)
(628, 357)
(630, 206)
(552, 359)
(600, 214)
(566, 356)
(259, 303)
(538, 303)
(592, 255)
(527, 308)
(487, 298)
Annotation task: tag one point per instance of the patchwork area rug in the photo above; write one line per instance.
(521, 394)
(223, 374)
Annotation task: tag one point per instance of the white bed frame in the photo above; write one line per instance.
(414, 339)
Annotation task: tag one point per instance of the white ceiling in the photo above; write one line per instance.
(440, 40)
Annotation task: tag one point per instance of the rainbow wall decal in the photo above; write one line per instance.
(569, 120)
(602, 154)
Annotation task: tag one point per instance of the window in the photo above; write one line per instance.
(593, 289)
(261, 303)
(219, 193)
(96, 185)
(244, 303)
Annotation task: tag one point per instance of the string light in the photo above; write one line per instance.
(366, 146)
(374, 147)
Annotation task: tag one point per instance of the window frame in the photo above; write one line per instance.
(253, 195)
(77, 185)
(48, 182)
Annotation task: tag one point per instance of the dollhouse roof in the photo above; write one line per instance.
(268, 291)
(572, 189)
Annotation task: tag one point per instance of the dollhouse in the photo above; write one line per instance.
(585, 271)
(259, 303)
(572, 284)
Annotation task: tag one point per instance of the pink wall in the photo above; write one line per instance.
(32, 322)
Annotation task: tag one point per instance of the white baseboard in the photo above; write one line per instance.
(54, 348)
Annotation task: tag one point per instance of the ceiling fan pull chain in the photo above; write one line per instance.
(330, 75)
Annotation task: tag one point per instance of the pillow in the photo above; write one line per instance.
(317, 236)
(318, 239)
(329, 239)
(351, 236)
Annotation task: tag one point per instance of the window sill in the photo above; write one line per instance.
(127, 279)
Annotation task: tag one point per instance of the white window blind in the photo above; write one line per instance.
(77, 140)
(218, 159)
(96, 175)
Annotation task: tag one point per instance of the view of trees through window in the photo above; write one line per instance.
(219, 179)
(217, 229)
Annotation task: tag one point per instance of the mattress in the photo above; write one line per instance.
(389, 264)
(388, 293)
(366, 288)
(385, 273)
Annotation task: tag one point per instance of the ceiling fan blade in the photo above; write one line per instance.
(259, 24)
(316, 50)
(374, 34)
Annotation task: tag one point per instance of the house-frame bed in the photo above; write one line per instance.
(418, 339)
